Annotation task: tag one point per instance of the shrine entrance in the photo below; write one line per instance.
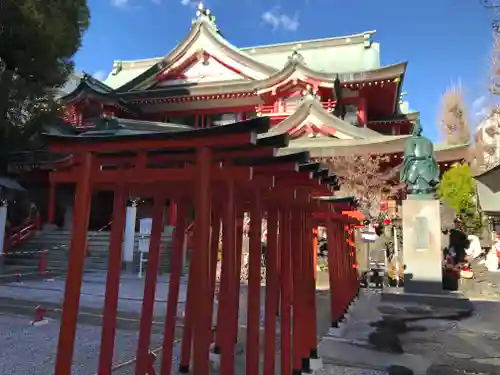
(225, 171)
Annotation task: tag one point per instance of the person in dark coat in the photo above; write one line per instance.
(458, 241)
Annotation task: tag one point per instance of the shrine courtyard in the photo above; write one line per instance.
(21, 339)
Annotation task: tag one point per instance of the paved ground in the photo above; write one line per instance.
(485, 285)
(19, 340)
(429, 346)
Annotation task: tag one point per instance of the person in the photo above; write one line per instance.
(474, 250)
(458, 242)
(492, 262)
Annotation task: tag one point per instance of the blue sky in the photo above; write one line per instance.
(444, 41)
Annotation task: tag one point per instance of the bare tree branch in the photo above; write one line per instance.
(369, 178)
(453, 117)
(494, 85)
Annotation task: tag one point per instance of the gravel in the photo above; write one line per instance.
(30, 350)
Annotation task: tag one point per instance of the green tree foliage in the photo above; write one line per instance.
(458, 189)
(37, 42)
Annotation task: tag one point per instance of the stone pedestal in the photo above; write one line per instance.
(422, 250)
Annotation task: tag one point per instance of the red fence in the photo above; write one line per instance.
(18, 235)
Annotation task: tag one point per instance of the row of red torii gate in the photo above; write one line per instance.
(225, 171)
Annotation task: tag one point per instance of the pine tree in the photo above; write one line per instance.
(37, 42)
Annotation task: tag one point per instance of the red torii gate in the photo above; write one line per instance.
(227, 171)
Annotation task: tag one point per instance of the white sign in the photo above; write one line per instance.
(145, 231)
(368, 236)
(145, 225)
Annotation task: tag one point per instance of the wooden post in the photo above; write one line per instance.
(315, 251)
(286, 281)
(235, 292)
(71, 304)
(173, 287)
(299, 316)
(225, 337)
(272, 289)
(310, 290)
(333, 271)
(281, 239)
(51, 208)
(148, 301)
(112, 283)
(172, 214)
(204, 306)
(253, 313)
(346, 273)
(214, 250)
(187, 333)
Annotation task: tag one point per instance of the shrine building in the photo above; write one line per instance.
(331, 96)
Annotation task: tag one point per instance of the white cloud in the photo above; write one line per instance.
(100, 75)
(120, 3)
(479, 102)
(190, 3)
(279, 20)
(479, 106)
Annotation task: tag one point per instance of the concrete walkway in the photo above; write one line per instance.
(430, 346)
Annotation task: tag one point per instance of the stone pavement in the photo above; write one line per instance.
(51, 294)
(21, 340)
(485, 285)
(379, 335)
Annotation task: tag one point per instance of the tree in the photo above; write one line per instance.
(494, 86)
(453, 117)
(368, 178)
(485, 152)
(458, 189)
(37, 42)
(494, 5)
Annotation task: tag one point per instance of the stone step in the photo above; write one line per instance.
(57, 243)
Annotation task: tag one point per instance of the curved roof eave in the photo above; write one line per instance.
(312, 106)
(387, 72)
(197, 28)
(335, 41)
(330, 147)
(84, 90)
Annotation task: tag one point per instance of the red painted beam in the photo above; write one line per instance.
(195, 141)
(153, 175)
(187, 157)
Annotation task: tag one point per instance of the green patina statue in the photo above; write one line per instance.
(420, 170)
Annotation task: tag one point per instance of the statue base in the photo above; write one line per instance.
(422, 252)
(421, 197)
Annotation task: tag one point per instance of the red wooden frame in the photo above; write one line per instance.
(219, 191)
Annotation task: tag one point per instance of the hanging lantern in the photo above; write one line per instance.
(387, 221)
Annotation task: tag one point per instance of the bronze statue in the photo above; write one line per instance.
(420, 170)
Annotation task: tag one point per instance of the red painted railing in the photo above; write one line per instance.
(18, 235)
(270, 110)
